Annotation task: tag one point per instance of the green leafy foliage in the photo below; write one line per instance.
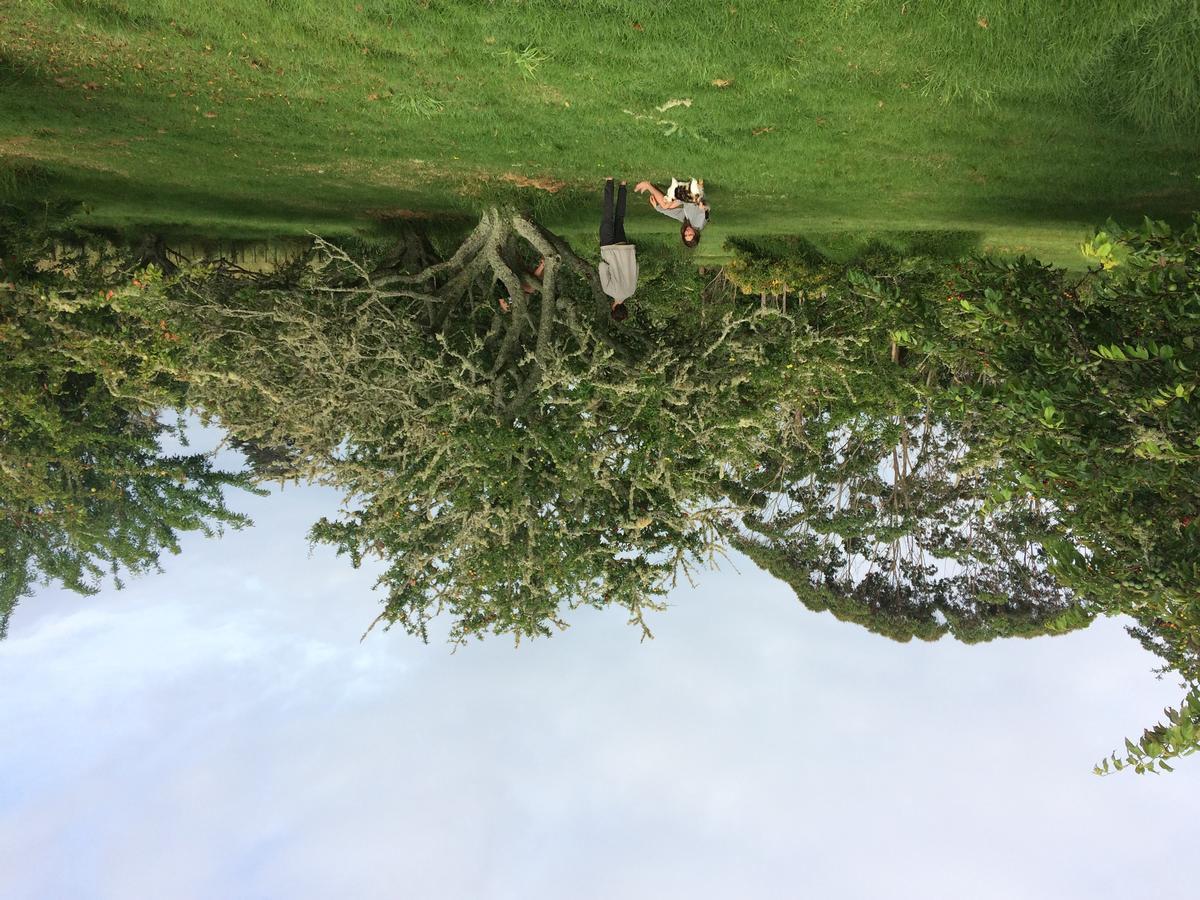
(779, 267)
(1083, 387)
(1070, 401)
(87, 362)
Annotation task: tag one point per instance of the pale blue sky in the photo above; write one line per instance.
(219, 732)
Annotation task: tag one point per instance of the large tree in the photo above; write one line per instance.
(506, 465)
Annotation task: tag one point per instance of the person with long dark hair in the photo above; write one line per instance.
(692, 216)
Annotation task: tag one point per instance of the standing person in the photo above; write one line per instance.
(618, 257)
(692, 217)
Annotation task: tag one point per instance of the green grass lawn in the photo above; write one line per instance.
(1022, 122)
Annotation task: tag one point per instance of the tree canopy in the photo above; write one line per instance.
(978, 449)
(507, 465)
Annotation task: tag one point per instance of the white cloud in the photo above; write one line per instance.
(219, 732)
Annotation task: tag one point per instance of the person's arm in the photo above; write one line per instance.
(657, 199)
(605, 273)
(532, 281)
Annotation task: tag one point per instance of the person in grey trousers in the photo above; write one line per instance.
(618, 257)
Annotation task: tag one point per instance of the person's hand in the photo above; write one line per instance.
(641, 187)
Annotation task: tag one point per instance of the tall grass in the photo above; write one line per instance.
(21, 179)
(1149, 72)
(957, 114)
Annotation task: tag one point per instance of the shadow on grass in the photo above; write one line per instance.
(847, 246)
(177, 211)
